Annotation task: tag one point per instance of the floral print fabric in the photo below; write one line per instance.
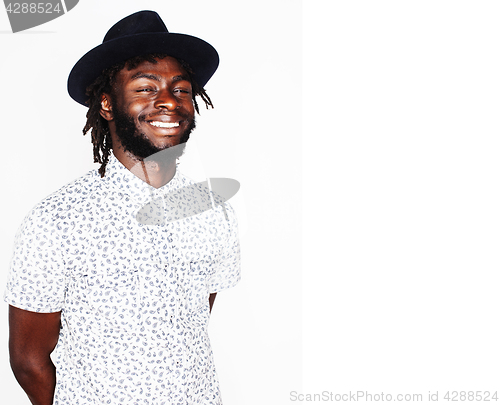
(133, 291)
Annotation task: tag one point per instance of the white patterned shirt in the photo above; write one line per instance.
(131, 268)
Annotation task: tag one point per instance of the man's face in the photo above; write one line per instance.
(152, 107)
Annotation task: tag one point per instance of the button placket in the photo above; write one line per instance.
(152, 212)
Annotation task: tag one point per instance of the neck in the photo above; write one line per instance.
(156, 170)
(155, 173)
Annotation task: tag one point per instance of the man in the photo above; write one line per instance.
(116, 273)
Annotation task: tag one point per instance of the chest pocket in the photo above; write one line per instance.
(200, 272)
(111, 286)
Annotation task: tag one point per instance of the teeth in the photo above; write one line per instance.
(164, 124)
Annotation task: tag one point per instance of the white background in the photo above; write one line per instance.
(399, 146)
(401, 108)
(252, 135)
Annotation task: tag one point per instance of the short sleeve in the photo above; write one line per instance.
(36, 280)
(228, 270)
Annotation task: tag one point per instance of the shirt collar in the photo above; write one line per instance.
(122, 180)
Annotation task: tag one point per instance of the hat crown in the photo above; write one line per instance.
(141, 33)
(142, 22)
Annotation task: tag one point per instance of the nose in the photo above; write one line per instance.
(165, 99)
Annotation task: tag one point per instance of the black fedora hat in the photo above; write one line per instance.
(141, 33)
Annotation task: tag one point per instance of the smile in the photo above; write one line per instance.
(160, 124)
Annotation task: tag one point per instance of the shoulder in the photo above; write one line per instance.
(59, 204)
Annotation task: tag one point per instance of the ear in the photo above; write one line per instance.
(106, 111)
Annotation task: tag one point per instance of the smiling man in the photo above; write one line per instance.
(149, 109)
(109, 304)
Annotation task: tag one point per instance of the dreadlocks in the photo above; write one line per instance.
(100, 135)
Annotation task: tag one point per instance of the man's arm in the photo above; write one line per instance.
(211, 300)
(32, 337)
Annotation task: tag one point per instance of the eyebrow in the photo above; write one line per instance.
(141, 75)
(179, 78)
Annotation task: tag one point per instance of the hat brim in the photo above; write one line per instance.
(200, 55)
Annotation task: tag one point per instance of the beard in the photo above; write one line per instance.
(137, 142)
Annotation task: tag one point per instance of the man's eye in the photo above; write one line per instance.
(143, 90)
